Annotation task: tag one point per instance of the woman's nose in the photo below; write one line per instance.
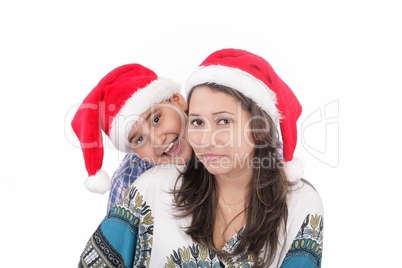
(199, 138)
(205, 140)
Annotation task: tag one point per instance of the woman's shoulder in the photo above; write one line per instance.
(159, 175)
(304, 195)
(157, 180)
(304, 226)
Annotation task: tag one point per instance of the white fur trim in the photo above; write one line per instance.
(294, 169)
(98, 183)
(237, 79)
(157, 91)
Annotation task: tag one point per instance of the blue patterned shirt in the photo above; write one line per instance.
(130, 168)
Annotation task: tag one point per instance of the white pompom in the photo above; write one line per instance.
(294, 170)
(98, 183)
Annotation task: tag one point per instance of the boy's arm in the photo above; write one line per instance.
(129, 170)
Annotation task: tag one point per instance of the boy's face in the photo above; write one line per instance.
(158, 135)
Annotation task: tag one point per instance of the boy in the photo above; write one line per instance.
(141, 113)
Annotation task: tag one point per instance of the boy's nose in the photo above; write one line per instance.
(158, 139)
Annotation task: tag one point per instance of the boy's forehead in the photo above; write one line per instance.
(154, 107)
(147, 114)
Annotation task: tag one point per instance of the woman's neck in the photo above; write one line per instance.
(233, 185)
(230, 216)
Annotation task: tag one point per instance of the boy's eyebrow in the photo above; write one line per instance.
(151, 112)
(132, 137)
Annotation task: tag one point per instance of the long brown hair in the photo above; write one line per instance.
(267, 211)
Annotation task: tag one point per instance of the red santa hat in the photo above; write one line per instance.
(114, 106)
(255, 78)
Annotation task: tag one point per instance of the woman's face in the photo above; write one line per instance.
(219, 132)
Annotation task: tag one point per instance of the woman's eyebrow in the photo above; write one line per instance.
(220, 112)
(223, 112)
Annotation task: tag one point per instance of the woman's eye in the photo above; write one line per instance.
(224, 121)
(156, 120)
(140, 139)
(196, 122)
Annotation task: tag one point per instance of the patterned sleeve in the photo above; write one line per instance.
(306, 248)
(124, 237)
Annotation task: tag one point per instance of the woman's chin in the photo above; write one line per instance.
(216, 170)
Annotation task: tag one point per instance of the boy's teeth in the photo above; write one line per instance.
(168, 147)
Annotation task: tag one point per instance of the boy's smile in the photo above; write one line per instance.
(173, 148)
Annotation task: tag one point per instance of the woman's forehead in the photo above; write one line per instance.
(204, 99)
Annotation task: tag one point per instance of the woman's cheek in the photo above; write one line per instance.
(193, 139)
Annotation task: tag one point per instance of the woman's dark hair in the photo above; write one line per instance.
(267, 209)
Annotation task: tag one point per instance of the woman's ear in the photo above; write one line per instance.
(179, 100)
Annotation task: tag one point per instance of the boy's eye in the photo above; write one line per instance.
(224, 121)
(196, 122)
(156, 120)
(139, 140)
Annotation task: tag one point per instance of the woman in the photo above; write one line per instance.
(239, 198)
(236, 203)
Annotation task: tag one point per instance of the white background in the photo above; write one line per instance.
(345, 55)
